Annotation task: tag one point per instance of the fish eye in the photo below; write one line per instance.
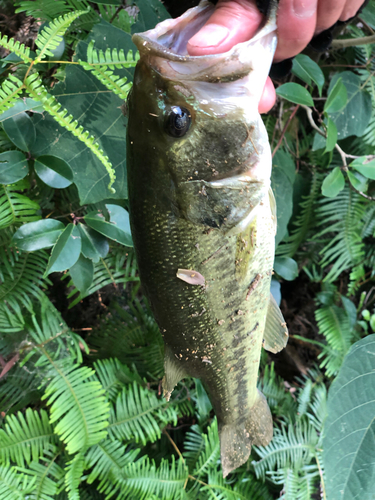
(178, 121)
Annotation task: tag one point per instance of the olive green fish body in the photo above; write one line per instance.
(203, 222)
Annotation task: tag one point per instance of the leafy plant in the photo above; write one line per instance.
(81, 357)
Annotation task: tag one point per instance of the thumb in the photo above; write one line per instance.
(233, 21)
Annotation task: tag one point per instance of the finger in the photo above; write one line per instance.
(296, 22)
(233, 21)
(328, 13)
(268, 98)
(351, 8)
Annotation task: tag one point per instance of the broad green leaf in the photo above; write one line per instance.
(24, 104)
(151, 12)
(13, 167)
(82, 273)
(286, 267)
(355, 116)
(333, 183)
(283, 190)
(120, 217)
(66, 251)
(37, 235)
(331, 136)
(111, 230)
(306, 69)
(53, 171)
(276, 290)
(349, 432)
(94, 245)
(337, 97)
(294, 92)
(20, 130)
(358, 181)
(365, 165)
(98, 111)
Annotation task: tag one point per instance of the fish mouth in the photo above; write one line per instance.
(165, 47)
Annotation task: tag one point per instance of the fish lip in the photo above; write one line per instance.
(209, 67)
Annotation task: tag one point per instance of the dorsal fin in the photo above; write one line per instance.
(275, 334)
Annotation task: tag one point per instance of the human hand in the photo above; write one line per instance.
(235, 21)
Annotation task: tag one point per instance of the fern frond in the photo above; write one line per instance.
(77, 404)
(18, 388)
(14, 486)
(341, 217)
(318, 407)
(119, 266)
(47, 474)
(102, 65)
(139, 415)
(304, 220)
(9, 322)
(74, 471)
(24, 437)
(142, 479)
(333, 323)
(51, 35)
(107, 458)
(290, 446)
(18, 48)
(44, 9)
(113, 375)
(243, 489)
(9, 92)
(35, 88)
(26, 281)
(15, 208)
(297, 484)
(273, 388)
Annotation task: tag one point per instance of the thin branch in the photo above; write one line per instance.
(285, 129)
(342, 153)
(352, 42)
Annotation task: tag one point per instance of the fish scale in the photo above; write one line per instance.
(203, 222)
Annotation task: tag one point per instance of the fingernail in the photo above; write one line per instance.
(304, 8)
(210, 35)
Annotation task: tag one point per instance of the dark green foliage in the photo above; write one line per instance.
(81, 357)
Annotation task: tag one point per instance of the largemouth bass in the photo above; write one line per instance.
(203, 218)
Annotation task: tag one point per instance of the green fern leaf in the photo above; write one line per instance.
(203, 450)
(9, 92)
(15, 208)
(26, 281)
(35, 88)
(18, 388)
(18, 48)
(14, 486)
(102, 65)
(77, 404)
(24, 437)
(290, 446)
(9, 322)
(297, 484)
(333, 323)
(243, 489)
(341, 217)
(51, 35)
(139, 415)
(47, 474)
(44, 9)
(107, 459)
(304, 220)
(142, 479)
(74, 471)
(113, 375)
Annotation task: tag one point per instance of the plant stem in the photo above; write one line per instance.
(352, 42)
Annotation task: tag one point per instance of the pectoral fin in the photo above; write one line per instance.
(173, 372)
(275, 334)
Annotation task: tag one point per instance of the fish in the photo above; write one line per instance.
(203, 218)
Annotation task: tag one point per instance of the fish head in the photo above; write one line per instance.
(198, 115)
